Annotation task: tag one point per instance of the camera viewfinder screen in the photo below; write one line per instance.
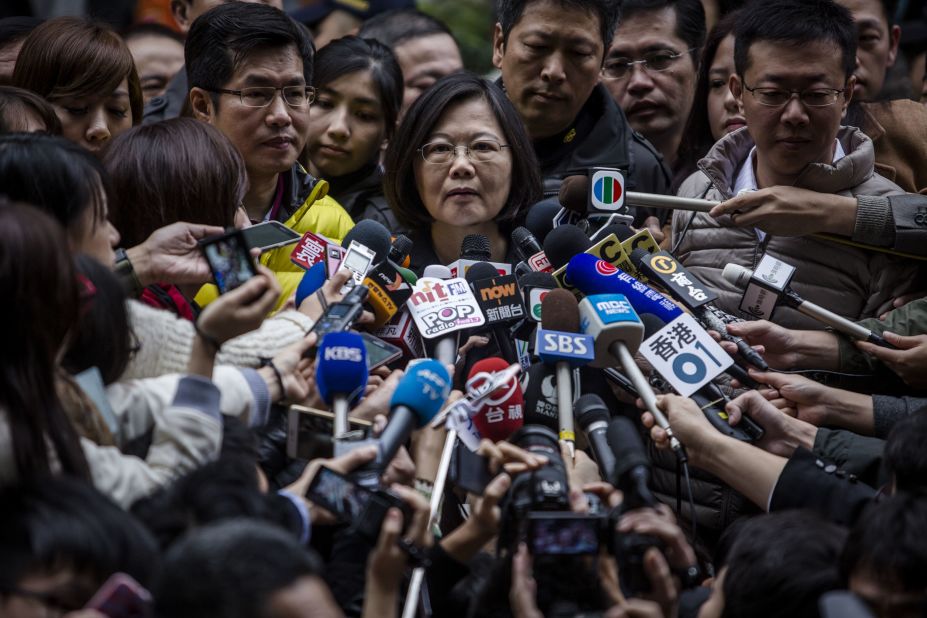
(564, 536)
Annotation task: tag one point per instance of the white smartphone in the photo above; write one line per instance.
(268, 235)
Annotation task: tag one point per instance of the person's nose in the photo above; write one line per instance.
(639, 79)
(731, 104)
(338, 127)
(553, 70)
(794, 113)
(278, 112)
(97, 131)
(461, 165)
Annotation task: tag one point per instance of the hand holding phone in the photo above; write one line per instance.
(242, 310)
(121, 597)
(229, 260)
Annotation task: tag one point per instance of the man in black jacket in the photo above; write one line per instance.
(550, 55)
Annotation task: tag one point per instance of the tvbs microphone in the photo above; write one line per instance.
(504, 412)
(560, 343)
(694, 295)
(593, 418)
(618, 333)
(632, 468)
(740, 277)
(419, 396)
(341, 374)
(574, 194)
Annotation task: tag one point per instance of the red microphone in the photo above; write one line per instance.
(504, 411)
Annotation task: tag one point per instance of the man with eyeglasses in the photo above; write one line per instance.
(550, 54)
(250, 67)
(794, 63)
(650, 68)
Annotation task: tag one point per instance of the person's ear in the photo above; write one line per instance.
(848, 92)
(737, 88)
(179, 10)
(894, 38)
(498, 46)
(202, 105)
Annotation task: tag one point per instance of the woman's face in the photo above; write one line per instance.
(724, 113)
(346, 125)
(465, 191)
(97, 237)
(93, 121)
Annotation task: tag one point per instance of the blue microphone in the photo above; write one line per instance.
(341, 373)
(312, 280)
(418, 398)
(591, 275)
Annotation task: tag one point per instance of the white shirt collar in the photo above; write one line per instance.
(746, 178)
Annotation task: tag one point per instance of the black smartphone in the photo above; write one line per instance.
(379, 352)
(563, 533)
(310, 431)
(229, 260)
(121, 596)
(468, 470)
(269, 234)
(363, 509)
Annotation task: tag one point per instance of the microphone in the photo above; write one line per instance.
(504, 412)
(475, 248)
(388, 291)
(560, 343)
(540, 389)
(529, 250)
(593, 417)
(563, 243)
(339, 316)
(372, 235)
(540, 218)
(618, 332)
(632, 468)
(694, 295)
(341, 374)
(400, 249)
(500, 301)
(534, 287)
(418, 398)
(574, 195)
(312, 280)
(740, 277)
(309, 251)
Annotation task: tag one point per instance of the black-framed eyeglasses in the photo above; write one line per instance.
(262, 96)
(661, 60)
(442, 153)
(812, 97)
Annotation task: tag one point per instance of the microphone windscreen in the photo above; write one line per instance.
(537, 279)
(574, 193)
(312, 280)
(626, 445)
(563, 243)
(638, 256)
(540, 218)
(541, 396)
(589, 409)
(525, 242)
(622, 230)
(400, 249)
(651, 324)
(423, 389)
(737, 275)
(341, 365)
(560, 311)
(372, 235)
(475, 247)
(481, 270)
(437, 271)
(503, 413)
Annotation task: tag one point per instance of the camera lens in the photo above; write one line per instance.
(539, 440)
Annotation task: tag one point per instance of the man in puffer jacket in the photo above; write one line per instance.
(794, 66)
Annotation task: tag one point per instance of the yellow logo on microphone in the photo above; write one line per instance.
(663, 264)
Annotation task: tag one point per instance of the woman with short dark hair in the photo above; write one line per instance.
(87, 73)
(461, 163)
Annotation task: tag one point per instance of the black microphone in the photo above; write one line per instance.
(697, 297)
(563, 243)
(400, 249)
(592, 416)
(475, 247)
(540, 217)
(372, 235)
(632, 468)
(494, 293)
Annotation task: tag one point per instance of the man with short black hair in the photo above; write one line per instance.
(423, 45)
(650, 68)
(551, 54)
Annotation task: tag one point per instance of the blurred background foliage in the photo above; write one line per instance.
(471, 21)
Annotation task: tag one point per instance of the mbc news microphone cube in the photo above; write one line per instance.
(609, 318)
(554, 346)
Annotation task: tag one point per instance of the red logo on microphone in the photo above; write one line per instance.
(604, 268)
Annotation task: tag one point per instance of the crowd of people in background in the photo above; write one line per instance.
(153, 458)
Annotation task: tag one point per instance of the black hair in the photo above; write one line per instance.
(780, 564)
(55, 175)
(889, 543)
(351, 54)
(17, 102)
(229, 570)
(795, 23)
(905, 455)
(103, 337)
(399, 185)
(697, 138)
(690, 19)
(61, 523)
(392, 28)
(221, 39)
(890, 10)
(509, 12)
(16, 29)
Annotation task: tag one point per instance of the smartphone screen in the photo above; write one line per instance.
(229, 260)
(338, 494)
(563, 535)
(121, 597)
(378, 351)
(309, 432)
(269, 234)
